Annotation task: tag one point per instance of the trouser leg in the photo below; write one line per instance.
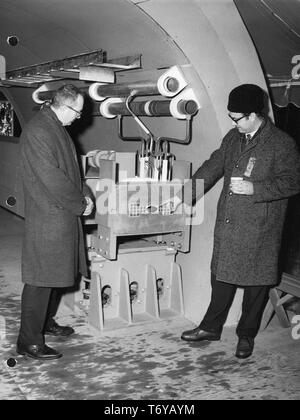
(34, 304)
(222, 296)
(254, 302)
(54, 301)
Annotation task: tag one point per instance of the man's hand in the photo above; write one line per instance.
(89, 206)
(242, 187)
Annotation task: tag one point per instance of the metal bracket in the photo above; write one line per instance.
(80, 67)
(186, 140)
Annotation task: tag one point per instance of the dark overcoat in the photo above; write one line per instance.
(248, 228)
(53, 248)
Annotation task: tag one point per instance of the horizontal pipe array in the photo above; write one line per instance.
(155, 108)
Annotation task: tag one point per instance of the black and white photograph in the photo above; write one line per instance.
(149, 203)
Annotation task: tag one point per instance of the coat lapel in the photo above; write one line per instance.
(67, 145)
(260, 138)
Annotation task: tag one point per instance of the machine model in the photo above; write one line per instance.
(133, 237)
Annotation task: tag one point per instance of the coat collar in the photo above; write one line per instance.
(261, 136)
(48, 113)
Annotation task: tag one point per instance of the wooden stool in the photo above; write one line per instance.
(289, 287)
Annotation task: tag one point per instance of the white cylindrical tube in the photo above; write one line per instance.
(144, 170)
(35, 94)
(156, 168)
(164, 171)
(104, 107)
(93, 92)
(174, 73)
(187, 95)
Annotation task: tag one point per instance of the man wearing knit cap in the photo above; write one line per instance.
(261, 169)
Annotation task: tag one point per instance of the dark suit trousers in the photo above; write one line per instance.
(38, 307)
(254, 302)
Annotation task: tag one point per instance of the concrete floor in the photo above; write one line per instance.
(141, 362)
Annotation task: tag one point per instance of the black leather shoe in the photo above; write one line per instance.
(58, 330)
(39, 352)
(200, 335)
(245, 347)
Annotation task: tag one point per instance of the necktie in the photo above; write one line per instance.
(245, 140)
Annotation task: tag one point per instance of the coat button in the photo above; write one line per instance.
(230, 192)
(227, 221)
(236, 165)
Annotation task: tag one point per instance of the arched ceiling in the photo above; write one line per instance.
(55, 29)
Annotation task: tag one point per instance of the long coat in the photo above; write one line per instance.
(248, 228)
(53, 248)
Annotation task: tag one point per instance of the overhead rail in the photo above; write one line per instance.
(92, 66)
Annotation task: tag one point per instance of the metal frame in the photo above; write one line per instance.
(68, 68)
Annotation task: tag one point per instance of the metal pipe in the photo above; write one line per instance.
(99, 91)
(139, 122)
(188, 133)
(142, 108)
(159, 140)
(187, 107)
(153, 108)
(120, 132)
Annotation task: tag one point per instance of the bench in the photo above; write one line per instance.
(288, 287)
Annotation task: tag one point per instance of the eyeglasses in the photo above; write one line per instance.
(78, 113)
(236, 120)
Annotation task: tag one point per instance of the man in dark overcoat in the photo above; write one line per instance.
(53, 248)
(261, 169)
